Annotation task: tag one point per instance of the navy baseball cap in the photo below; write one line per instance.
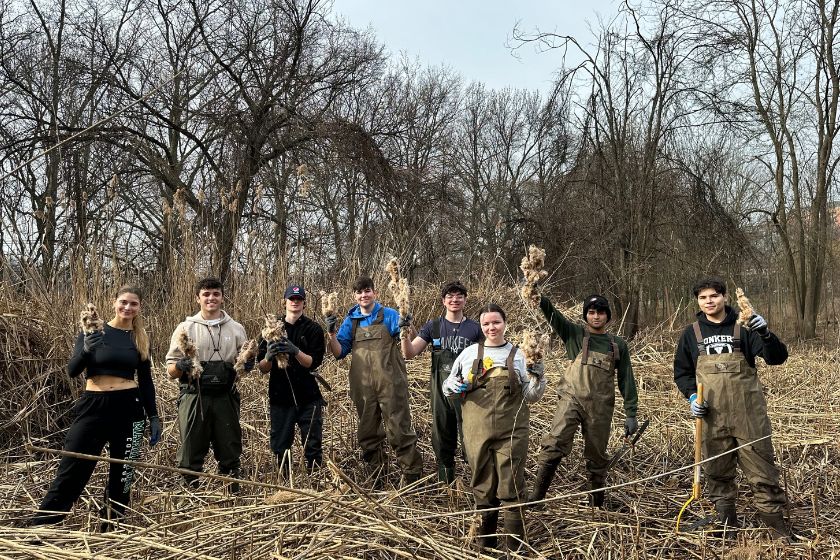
(295, 290)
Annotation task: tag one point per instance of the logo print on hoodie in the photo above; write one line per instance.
(718, 344)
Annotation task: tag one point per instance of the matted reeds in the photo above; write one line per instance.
(334, 514)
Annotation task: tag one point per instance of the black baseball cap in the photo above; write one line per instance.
(295, 290)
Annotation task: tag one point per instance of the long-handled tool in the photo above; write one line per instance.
(698, 457)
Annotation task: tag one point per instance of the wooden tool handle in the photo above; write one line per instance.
(698, 445)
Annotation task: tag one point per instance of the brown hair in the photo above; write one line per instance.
(139, 333)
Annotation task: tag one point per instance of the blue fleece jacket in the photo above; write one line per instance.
(390, 317)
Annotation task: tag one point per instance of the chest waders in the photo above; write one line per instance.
(379, 390)
(446, 413)
(586, 399)
(208, 414)
(737, 415)
(495, 419)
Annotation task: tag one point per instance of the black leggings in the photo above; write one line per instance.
(112, 417)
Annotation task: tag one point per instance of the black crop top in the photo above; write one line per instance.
(117, 356)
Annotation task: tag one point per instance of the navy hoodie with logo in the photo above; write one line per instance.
(718, 340)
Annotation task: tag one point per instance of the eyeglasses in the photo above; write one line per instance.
(454, 296)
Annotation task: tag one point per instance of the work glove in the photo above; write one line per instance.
(184, 365)
(272, 349)
(154, 430)
(92, 341)
(405, 321)
(758, 324)
(249, 365)
(698, 410)
(537, 370)
(332, 323)
(631, 425)
(455, 386)
(286, 347)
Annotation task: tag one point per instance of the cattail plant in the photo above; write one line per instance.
(399, 288)
(328, 303)
(745, 306)
(190, 350)
(304, 179)
(275, 330)
(246, 354)
(90, 321)
(532, 266)
(534, 347)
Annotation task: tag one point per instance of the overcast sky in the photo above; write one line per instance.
(470, 36)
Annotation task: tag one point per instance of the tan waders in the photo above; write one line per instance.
(737, 415)
(587, 398)
(495, 419)
(379, 389)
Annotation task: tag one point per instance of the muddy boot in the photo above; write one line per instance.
(514, 530)
(777, 525)
(446, 474)
(545, 473)
(597, 499)
(409, 478)
(487, 537)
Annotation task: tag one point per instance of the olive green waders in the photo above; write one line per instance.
(379, 390)
(737, 415)
(495, 421)
(586, 399)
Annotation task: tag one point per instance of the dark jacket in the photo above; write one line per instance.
(718, 339)
(295, 385)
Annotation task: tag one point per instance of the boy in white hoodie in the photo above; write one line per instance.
(208, 409)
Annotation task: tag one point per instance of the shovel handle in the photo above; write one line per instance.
(698, 446)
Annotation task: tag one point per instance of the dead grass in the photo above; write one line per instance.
(332, 515)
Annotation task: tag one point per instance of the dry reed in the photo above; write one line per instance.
(275, 329)
(532, 267)
(247, 353)
(744, 306)
(400, 290)
(190, 350)
(89, 320)
(328, 303)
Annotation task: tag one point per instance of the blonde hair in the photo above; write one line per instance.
(139, 333)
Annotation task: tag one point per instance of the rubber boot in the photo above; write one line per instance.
(596, 499)
(446, 474)
(108, 518)
(410, 478)
(514, 530)
(487, 537)
(545, 473)
(777, 525)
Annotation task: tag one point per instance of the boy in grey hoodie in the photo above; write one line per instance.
(208, 410)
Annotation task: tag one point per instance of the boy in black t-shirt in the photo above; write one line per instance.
(449, 335)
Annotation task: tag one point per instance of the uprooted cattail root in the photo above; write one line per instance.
(532, 266)
(275, 330)
(190, 350)
(534, 347)
(399, 288)
(246, 354)
(328, 303)
(89, 319)
(745, 306)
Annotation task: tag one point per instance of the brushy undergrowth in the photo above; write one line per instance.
(333, 514)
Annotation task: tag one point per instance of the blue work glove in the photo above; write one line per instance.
(154, 430)
(405, 321)
(758, 324)
(537, 370)
(332, 323)
(287, 347)
(92, 341)
(272, 349)
(249, 365)
(698, 410)
(631, 425)
(184, 365)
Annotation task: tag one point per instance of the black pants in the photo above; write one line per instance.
(309, 420)
(114, 418)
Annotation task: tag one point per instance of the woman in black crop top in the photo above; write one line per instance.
(112, 410)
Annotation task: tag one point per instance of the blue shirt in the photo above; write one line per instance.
(390, 318)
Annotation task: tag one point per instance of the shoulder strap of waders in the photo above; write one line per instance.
(615, 352)
(356, 320)
(736, 338)
(701, 348)
(436, 335)
(513, 379)
(585, 350)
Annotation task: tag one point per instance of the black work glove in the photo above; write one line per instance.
(405, 321)
(92, 341)
(631, 425)
(184, 365)
(287, 347)
(154, 430)
(274, 347)
(332, 323)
